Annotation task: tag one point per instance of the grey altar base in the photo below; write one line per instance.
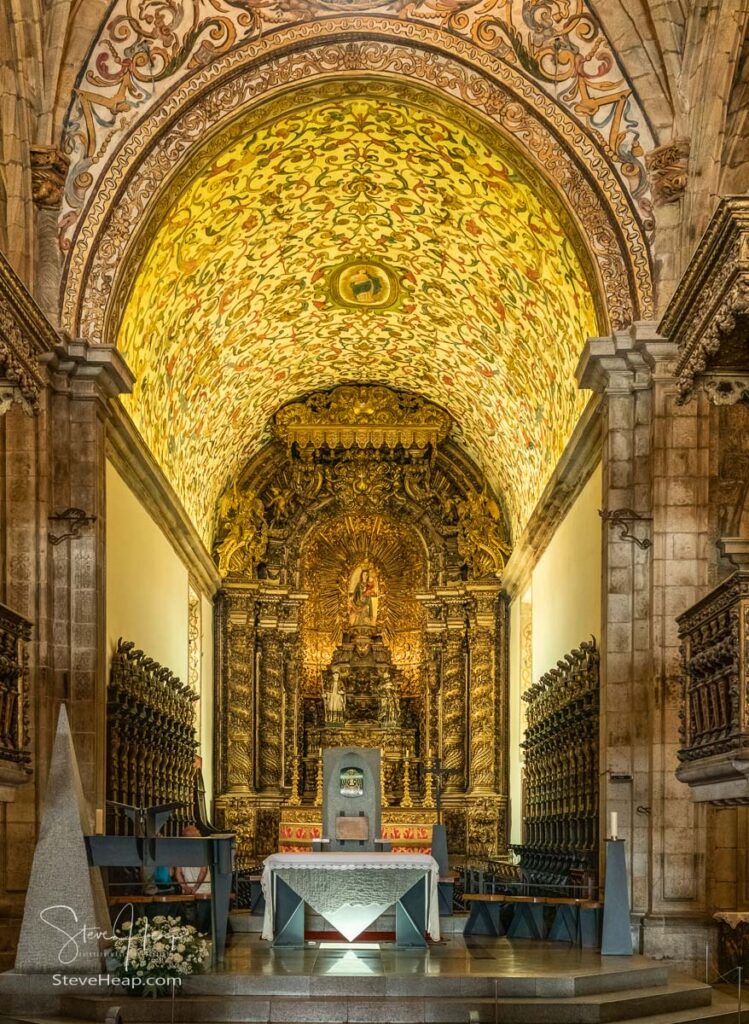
(617, 935)
(336, 759)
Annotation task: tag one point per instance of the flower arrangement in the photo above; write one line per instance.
(153, 956)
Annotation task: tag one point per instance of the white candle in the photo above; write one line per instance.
(614, 824)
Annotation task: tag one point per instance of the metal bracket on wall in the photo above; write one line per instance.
(75, 519)
(622, 517)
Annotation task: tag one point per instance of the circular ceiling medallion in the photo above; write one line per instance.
(363, 284)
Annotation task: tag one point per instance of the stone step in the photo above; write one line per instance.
(721, 1011)
(679, 994)
(638, 1004)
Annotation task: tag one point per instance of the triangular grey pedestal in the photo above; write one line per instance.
(65, 906)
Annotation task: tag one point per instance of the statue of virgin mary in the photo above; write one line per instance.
(364, 597)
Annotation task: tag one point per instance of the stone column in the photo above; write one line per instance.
(652, 535)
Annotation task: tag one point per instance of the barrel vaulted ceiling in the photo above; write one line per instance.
(360, 238)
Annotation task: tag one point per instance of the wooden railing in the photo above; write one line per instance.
(15, 756)
(714, 634)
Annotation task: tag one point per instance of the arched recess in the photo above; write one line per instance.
(361, 477)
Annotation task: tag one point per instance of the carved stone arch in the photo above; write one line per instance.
(198, 116)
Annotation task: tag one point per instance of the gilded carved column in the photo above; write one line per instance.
(454, 708)
(269, 717)
(482, 710)
(432, 671)
(240, 639)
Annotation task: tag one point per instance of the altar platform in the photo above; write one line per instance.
(455, 981)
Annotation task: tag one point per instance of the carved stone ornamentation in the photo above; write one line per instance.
(49, 169)
(667, 168)
(708, 316)
(727, 389)
(22, 328)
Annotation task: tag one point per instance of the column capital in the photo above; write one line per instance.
(88, 371)
(626, 361)
(49, 169)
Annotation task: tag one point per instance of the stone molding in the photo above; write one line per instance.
(702, 317)
(626, 361)
(667, 168)
(571, 473)
(87, 371)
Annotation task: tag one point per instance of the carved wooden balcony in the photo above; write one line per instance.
(15, 755)
(715, 701)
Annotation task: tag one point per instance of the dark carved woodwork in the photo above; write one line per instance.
(15, 756)
(714, 635)
(560, 791)
(151, 738)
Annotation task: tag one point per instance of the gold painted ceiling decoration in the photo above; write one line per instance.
(234, 310)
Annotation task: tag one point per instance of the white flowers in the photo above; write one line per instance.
(170, 949)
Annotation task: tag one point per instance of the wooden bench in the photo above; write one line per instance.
(524, 917)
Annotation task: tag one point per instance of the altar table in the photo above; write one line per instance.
(351, 890)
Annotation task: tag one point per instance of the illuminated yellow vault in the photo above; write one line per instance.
(363, 238)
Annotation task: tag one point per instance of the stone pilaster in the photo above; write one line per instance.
(654, 515)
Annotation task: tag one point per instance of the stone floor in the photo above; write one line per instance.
(456, 981)
(454, 955)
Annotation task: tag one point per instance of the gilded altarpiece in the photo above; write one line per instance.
(362, 555)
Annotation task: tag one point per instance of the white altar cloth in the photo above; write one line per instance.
(351, 890)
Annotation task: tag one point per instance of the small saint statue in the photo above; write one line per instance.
(389, 702)
(334, 698)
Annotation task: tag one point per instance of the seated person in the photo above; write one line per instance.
(158, 881)
(196, 881)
